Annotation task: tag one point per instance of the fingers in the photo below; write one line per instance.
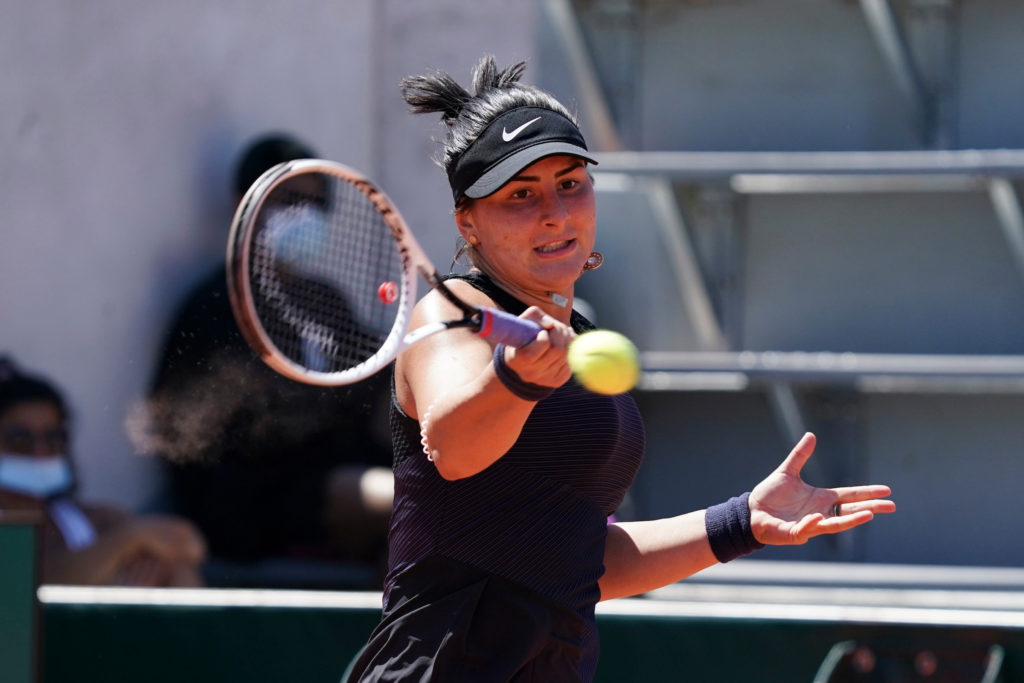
(554, 333)
(843, 522)
(798, 457)
(850, 494)
(543, 361)
(872, 506)
(841, 517)
(854, 499)
(803, 530)
(791, 512)
(818, 524)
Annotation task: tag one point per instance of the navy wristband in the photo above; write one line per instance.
(513, 382)
(728, 528)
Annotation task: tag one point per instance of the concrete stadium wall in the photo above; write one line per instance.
(120, 126)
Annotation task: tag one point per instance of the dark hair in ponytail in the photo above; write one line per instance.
(466, 115)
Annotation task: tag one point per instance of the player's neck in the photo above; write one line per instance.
(556, 304)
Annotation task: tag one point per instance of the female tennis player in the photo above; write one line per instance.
(506, 471)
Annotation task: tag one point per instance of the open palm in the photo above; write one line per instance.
(785, 510)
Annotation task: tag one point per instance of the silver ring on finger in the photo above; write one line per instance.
(835, 509)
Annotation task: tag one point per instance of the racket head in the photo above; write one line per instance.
(321, 272)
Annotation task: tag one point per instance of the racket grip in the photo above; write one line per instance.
(505, 328)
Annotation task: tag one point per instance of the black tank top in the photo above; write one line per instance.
(537, 516)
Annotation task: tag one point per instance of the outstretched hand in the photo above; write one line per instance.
(785, 510)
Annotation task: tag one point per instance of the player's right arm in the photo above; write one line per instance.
(468, 417)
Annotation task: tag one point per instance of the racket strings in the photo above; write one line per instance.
(318, 261)
(298, 334)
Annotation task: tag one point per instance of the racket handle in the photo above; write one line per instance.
(505, 328)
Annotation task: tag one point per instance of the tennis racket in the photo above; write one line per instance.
(322, 275)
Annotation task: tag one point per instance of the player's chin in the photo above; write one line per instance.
(559, 273)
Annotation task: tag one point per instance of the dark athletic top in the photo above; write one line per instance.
(535, 520)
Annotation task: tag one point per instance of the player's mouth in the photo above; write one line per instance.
(556, 248)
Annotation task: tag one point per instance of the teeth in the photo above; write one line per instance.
(554, 246)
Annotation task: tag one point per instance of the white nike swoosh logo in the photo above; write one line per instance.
(509, 137)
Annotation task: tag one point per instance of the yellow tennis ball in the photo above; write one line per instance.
(604, 362)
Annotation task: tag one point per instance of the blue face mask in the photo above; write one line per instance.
(38, 477)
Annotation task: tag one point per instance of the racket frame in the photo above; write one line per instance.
(483, 321)
(239, 256)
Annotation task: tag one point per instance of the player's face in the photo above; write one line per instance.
(537, 231)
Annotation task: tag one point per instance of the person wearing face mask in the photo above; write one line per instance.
(82, 543)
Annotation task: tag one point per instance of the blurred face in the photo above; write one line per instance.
(34, 428)
(33, 447)
(535, 233)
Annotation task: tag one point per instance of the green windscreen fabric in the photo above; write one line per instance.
(17, 601)
(94, 643)
(111, 643)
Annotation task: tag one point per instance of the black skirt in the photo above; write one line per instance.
(447, 621)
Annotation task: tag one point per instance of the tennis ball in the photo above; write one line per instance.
(604, 362)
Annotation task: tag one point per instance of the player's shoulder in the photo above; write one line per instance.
(465, 290)
(435, 306)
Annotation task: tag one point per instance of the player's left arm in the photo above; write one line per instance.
(642, 556)
(781, 510)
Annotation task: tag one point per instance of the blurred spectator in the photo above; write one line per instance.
(82, 543)
(269, 468)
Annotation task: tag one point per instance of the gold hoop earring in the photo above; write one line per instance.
(594, 261)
